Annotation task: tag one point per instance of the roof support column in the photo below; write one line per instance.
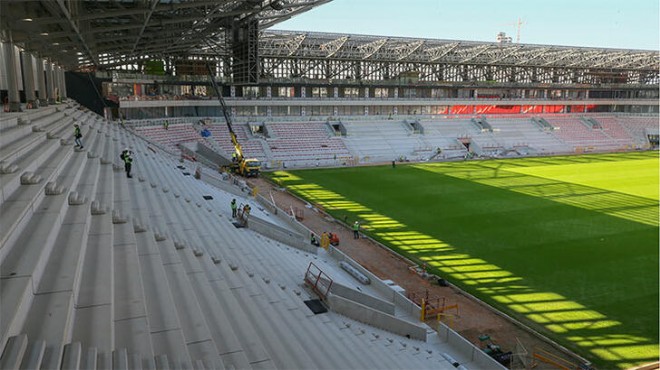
(28, 78)
(13, 101)
(41, 83)
(59, 82)
(63, 83)
(50, 83)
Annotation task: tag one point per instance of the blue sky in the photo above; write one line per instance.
(632, 24)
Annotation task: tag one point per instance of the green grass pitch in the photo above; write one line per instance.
(568, 245)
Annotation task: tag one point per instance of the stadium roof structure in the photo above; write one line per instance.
(107, 33)
(78, 33)
(383, 48)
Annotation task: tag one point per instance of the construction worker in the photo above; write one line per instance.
(325, 240)
(334, 239)
(127, 157)
(234, 207)
(356, 230)
(245, 214)
(77, 135)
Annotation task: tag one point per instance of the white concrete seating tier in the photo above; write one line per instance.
(571, 130)
(638, 127)
(175, 134)
(242, 249)
(302, 141)
(111, 272)
(252, 147)
(242, 257)
(512, 132)
(613, 129)
(384, 140)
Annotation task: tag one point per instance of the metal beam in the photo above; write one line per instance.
(144, 25)
(77, 31)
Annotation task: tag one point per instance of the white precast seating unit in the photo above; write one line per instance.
(170, 137)
(575, 132)
(252, 147)
(304, 143)
(384, 140)
(637, 127)
(444, 133)
(516, 132)
(613, 129)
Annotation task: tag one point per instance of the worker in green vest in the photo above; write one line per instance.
(127, 157)
(356, 230)
(234, 207)
(77, 134)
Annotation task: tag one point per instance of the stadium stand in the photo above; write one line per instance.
(574, 131)
(518, 133)
(384, 140)
(101, 271)
(170, 137)
(637, 127)
(304, 144)
(253, 147)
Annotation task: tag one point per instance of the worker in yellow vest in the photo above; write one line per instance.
(325, 240)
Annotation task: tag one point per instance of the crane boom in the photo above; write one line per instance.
(225, 112)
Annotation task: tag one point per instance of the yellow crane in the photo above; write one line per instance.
(247, 167)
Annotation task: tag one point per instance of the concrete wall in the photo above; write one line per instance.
(375, 318)
(214, 157)
(400, 300)
(465, 352)
(218, 182)
(280, 234)
(362, 298)
(284, 216)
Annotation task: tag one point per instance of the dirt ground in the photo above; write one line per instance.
(473, 319)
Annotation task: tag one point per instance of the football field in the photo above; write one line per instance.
(568, 245)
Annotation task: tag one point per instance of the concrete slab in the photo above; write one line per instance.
(190, 314)
(94, 327)
(50, 317)
(172, 344)
(97, 273)
(128, 293)
(64, 266)
(161, 310)
(15, 299)
(133, 334)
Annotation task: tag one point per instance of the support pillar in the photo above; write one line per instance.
(63, 83)
(13, 98)
(28, 79)
(41, 82)
(50, 83)
(57, 76)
